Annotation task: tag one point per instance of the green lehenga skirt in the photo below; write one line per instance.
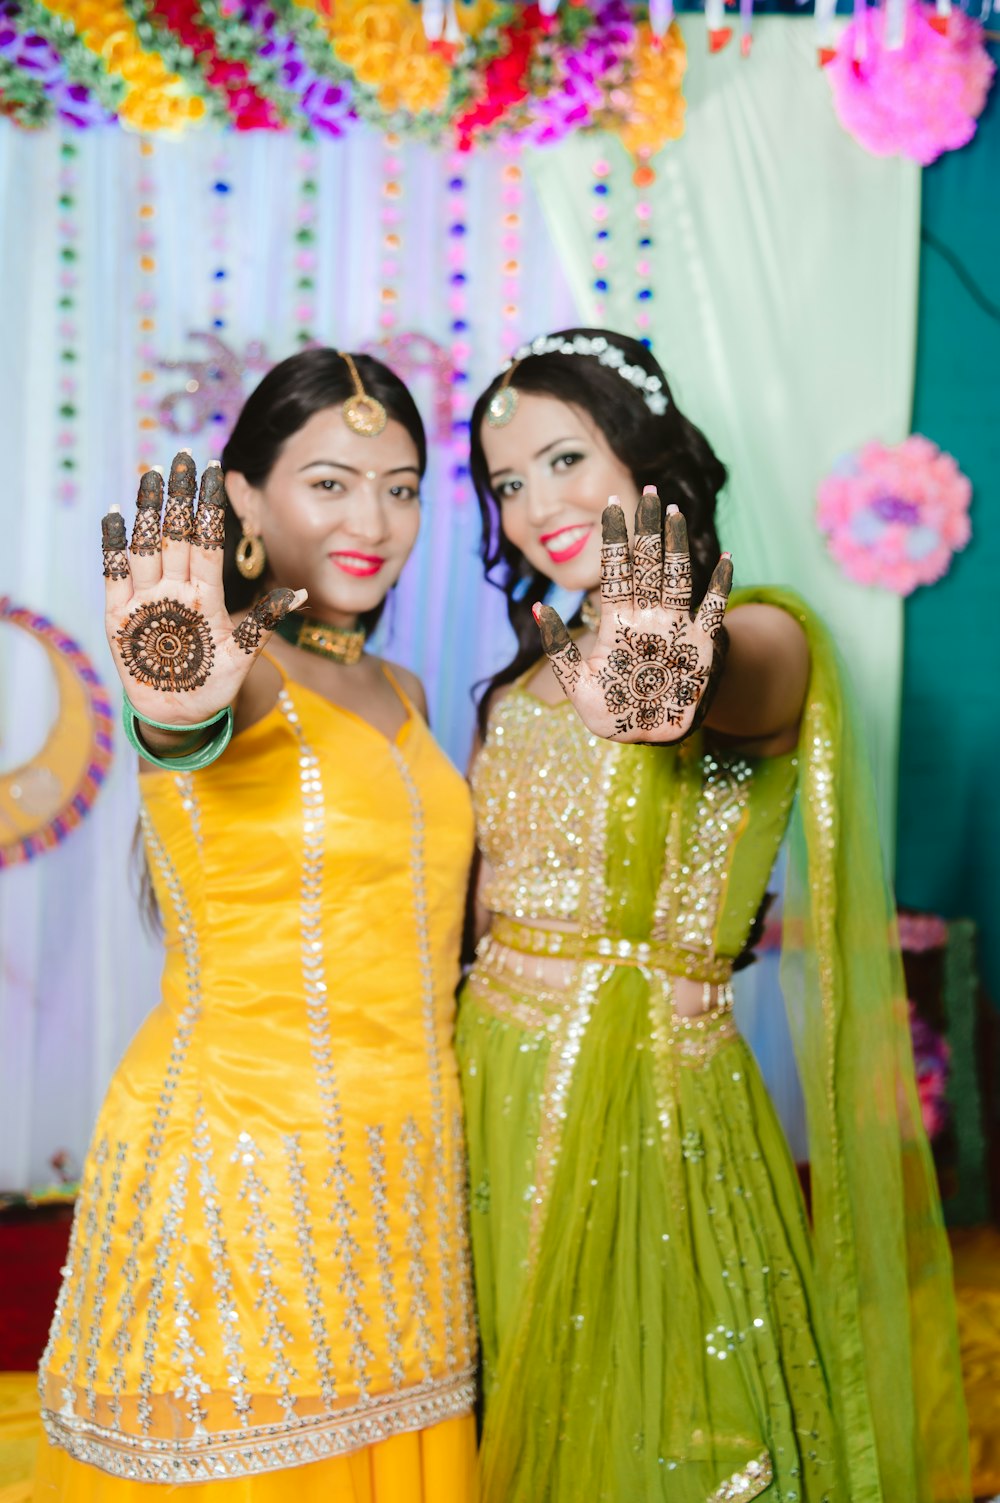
(642, 1254)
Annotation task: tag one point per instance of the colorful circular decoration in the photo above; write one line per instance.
(45, 798)
(918, 99)
(894, 516)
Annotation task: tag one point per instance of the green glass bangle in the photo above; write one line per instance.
(185, 761)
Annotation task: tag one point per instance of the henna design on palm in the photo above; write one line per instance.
(178, 516)
(210, 520)
(655, 667)
(149, 503)
(264, 618)
(114, 546)
(177, 653)
(650, 680)
(167, 645)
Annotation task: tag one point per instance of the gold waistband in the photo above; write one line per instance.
(566, 944)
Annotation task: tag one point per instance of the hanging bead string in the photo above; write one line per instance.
(221, 273)
(305, 258)
(458, 307)
(644, 177)
(391, 223)
(512, 199)
(600, 213)
(145, 242)
(68, 412)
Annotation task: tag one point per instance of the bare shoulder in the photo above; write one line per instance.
(771, 623)
(410, 685)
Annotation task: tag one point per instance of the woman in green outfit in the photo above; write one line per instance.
(660, 1318)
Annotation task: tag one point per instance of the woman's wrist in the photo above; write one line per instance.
(177, 748)
(171, 743)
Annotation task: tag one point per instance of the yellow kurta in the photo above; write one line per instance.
(269, 1265)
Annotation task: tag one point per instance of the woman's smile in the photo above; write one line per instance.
(566, 542)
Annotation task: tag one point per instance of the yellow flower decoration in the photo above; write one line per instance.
(155, 98)
(475, 15)
(655, 112)
(384, 44)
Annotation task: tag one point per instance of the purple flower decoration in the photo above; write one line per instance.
(582, 77)
(326, 104)
(38, 60)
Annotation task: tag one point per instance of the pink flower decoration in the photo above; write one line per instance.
(919, 932)
(894, 517)
(917, 100)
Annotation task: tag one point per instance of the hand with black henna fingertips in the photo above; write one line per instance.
(654, 668)
(179, 657)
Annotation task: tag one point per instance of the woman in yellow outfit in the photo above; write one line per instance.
(268, 1281)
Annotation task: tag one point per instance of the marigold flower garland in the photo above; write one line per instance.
(35, 83)
(154, 98)
(90, 91)
(497, 70)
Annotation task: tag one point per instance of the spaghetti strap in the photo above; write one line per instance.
(415, 714)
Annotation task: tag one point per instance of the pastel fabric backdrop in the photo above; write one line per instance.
(784, 284)
(784, 313)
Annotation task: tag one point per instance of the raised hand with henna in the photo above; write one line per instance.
(178, 655)
(655, 666)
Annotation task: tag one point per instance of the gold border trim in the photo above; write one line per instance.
(271, 1448)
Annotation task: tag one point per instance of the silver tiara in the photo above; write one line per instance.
(503, 404)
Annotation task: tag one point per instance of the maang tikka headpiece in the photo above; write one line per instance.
(503, 403)
(362, 414)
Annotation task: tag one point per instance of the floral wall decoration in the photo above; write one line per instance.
(43, 799)
(919, 97)
(894, 517)
(490, 71)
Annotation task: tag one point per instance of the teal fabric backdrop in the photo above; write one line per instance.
(949, 810)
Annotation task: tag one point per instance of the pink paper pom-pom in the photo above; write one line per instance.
(916, 100)
(893, 517)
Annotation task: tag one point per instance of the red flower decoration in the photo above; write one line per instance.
(248, 109)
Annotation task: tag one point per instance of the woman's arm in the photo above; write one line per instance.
(763, 688)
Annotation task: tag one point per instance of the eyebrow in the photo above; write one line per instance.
(337, 464)
(571, 438)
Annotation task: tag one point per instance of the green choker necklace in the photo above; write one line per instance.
(344, 644)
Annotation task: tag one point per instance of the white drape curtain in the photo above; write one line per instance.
(784, 285)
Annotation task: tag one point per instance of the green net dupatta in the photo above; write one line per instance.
(883, 1266)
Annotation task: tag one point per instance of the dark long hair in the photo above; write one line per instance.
(288, 396)
(282, 403)
(665, 450)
